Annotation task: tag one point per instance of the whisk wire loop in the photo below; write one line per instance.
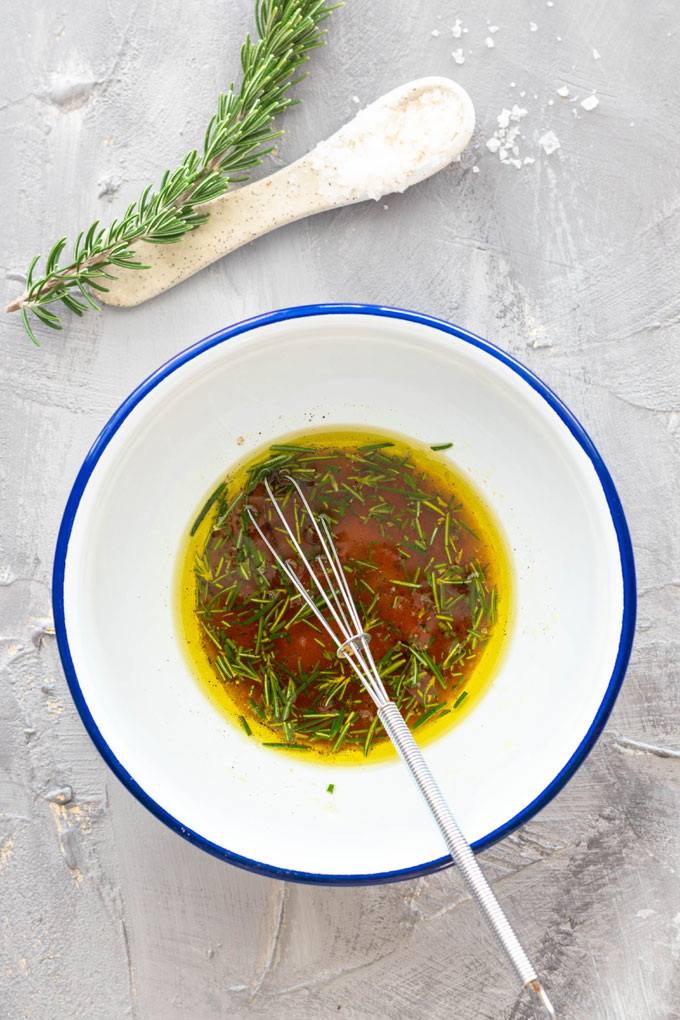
(352, 644)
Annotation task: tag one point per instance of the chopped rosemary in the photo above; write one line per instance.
(208, 505)
(415, 567)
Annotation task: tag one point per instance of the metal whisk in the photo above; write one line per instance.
(342, 623)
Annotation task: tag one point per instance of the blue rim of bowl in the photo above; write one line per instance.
(560, 409)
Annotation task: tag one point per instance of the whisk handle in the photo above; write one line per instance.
(459, 848)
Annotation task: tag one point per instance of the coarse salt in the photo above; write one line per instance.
(389, 146)
(533, 27)
(504, 140)
(590, 102)
(596, 55)
(563, 91)
(457, 29)
(458, 55)
(549, 142)
(489, 42)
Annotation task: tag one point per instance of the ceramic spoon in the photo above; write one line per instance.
(298, 190)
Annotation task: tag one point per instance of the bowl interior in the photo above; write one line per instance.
(155, 466)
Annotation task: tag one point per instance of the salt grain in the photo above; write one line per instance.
(435, 32)
(596, 55)
(533, 27)
(458, 55)
(457, 29)
(489, 42)
(563, 91)
(493, 28)
(590, 102)
(475, 169)
(549, 142)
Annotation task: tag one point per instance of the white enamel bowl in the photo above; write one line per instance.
(164, 450)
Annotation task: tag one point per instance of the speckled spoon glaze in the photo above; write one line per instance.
(401, 139)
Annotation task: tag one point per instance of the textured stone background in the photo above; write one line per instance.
(571, 264)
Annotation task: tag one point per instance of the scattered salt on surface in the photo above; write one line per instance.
(590, 102)
(533, 27)
(549, 142)
(563, 91)
(355, 99)
(493, 28)
(489, 42)
(475, 169)
(435, 32)
(457, 29)
(505, 139)
(596, 55)
(458, 55)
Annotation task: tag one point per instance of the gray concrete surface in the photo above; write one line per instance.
(571, 264)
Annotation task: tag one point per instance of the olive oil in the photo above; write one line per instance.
(429, 573)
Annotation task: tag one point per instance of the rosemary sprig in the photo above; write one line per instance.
(237, 139)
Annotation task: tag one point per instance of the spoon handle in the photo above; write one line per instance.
(460, 850)
(236, 218)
